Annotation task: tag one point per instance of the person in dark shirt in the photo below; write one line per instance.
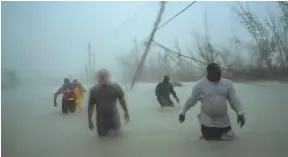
(68, 98)
(163, 90)
(103, 97)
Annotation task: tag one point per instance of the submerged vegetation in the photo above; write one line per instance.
(267, 60)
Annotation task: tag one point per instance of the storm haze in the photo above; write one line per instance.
(45, 42)
(50, 39)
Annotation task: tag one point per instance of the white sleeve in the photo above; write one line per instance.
(192, 100)
(234, 102)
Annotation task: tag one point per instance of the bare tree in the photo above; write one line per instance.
(265, 42)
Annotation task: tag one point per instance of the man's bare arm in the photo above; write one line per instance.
(91, 106)
(123, 104)
(55, 97)
(122, 99)
(172, 91)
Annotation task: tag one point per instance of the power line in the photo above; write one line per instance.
(198, 61)
(177, 53)
(139, 11)
(169, 20)
(175, 57)
(180, 57)
(173, 17)
(125, 22)
(151, 38)
(130, 18)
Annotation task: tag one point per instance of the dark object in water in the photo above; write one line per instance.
(176, 84)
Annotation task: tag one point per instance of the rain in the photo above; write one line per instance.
(139, 43)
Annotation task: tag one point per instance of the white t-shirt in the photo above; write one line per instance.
(213, 97)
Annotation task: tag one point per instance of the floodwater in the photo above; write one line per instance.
(32, 127)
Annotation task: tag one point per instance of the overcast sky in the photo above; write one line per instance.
(53, 36)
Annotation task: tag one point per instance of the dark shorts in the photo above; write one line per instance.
(165, 102)
(104, 130)
(107, 122)
(68, 106)
(213, 132)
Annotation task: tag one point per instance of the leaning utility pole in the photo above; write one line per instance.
(86, 72)
(93, 64)
(141, 64)
(89, 60)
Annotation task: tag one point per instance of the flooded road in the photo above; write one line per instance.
(32, 127)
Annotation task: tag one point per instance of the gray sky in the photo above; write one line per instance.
(54, 36)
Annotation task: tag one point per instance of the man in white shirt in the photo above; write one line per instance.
(213, 92)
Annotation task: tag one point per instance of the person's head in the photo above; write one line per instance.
(166, 79)
(66, 81)
(213, 72)
(75, 81)
(103, 77)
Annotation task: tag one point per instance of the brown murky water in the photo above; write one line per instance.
(32, 127)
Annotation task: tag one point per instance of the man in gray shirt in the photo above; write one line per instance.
(104, 96)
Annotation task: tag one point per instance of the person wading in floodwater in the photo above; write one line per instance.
(163, 90)
(104, 96)
(80, 90)
(68, 98)
(213, 92)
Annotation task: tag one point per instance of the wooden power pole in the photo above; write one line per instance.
(89, 60)
(93, 64)
(148, 44)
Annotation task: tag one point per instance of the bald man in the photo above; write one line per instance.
(103, 97)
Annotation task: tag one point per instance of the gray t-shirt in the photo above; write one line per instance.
(105, 99)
